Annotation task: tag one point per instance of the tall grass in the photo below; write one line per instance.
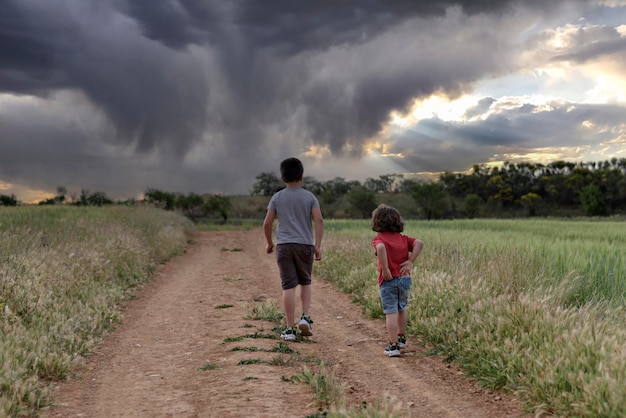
(534, 307)
(63, 271)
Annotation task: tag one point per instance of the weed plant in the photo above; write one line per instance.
(326, 386)
(63, 272)
(533, 307)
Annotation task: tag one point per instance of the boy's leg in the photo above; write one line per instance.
(289, 280)
(305, 298)
(289, 305)
(305, 321)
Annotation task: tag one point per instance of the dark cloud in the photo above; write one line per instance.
(214, 86)
(481, 107)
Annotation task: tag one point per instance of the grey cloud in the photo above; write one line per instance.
(481, 107)
(239, 84)
(595, 50)
(438, 145)
(286, 25)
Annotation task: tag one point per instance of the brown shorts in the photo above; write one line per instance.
(295, 262)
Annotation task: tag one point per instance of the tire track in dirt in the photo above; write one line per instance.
(151, 365)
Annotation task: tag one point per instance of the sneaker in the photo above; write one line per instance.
(392, 350)
(401, 341)
(305, 325)
(289, 334)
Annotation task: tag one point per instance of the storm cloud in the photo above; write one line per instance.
(199, 95)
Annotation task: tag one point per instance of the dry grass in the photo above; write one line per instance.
(63, 272)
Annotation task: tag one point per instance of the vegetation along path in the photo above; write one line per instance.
(192, 345)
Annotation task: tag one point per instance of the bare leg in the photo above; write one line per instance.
(289, 305)
(392, 326)
(305, 298)
(402, 319)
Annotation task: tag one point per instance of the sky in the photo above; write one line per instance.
(203, 96)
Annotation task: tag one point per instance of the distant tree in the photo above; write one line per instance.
(431, 198)
(8, 200)
(406, 185)
(313, 185)
(267, 184)
(220, 204)
(191, 205)
(592, 201)
(98, 199)
(161, 199)
(471, 205)
(363, 201)
(61, 193)
(530, 201)
(337, 187)
(59, 198)
(383, 184)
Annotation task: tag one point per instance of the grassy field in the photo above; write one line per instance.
(533, 307)
(63, 273)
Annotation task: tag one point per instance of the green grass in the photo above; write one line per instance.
(63, 272)
(209, 366)
(269, 311)
(533, 307)
(326, 386)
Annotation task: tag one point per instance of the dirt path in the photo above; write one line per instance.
(151, 365)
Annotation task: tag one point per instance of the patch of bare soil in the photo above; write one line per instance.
(152, 365)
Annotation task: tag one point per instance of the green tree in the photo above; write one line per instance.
(431, 198)
(530, 201)
(161, 199)
(383, 184)
(220, 204)
(191, 205)
(363, 201)
(6, 200)
(61, 193)
(267, 184)
(88, 198)
(337, 187)
(98, 199)
(592, 201)
(313, 185)
(471, 205)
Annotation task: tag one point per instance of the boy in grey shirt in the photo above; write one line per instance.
(296, 244)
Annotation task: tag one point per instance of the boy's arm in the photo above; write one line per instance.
(316, 213)
(407, 266)
(381, 253)
(267, 230)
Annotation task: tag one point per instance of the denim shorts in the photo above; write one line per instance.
(394, 294)
(295, 263)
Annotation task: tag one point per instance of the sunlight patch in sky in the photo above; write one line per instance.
(543, 155)
(434, 106)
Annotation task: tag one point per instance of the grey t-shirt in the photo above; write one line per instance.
(293, 210)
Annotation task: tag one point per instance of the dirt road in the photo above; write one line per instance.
(173, 355)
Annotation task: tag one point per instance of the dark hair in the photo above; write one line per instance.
(387, 219)
(291, 170)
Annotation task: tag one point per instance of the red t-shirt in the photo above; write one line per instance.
(398, 247)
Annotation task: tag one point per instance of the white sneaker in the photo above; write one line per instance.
(401, 341)
(392, 350)
(305, 326)
(289, 334)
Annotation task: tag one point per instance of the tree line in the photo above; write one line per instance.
(523, 189)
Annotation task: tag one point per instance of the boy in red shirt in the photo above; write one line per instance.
(396, 254)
